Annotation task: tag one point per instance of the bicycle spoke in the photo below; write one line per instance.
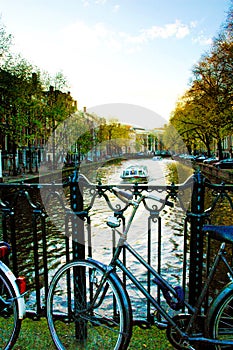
(93, 324)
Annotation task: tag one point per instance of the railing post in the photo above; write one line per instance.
(196, 238)
(76, 200)
(78, 243)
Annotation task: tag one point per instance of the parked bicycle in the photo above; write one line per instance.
(12, 305)
(88, 307)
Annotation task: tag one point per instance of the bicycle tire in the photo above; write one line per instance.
(9, 315)
(219, 321)
(108, 326)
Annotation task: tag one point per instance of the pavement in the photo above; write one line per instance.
(18, 178)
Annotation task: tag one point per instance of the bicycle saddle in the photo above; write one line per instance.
(220, 233)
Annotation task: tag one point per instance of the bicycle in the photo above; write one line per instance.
(88, 307)
(12, 305)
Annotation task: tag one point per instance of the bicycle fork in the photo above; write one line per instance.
(18, 288)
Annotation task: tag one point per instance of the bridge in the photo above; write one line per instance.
(38, 248)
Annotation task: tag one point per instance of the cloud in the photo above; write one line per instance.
(86, 3)
(176, 29)
(100, 2)
(202, 40)
(79, 35)
(116, 8)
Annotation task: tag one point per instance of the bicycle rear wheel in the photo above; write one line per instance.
(220, 318)
(73, 323)
(9, 321)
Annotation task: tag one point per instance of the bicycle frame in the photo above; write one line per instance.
(194, 312)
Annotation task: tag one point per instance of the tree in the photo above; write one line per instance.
(5, 43)
(22, 93)
(114, 135)
(204, 112)
(193, 118)
(213, 84)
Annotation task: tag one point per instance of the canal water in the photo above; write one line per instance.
(161, 173)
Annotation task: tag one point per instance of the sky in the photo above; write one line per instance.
(126, 52)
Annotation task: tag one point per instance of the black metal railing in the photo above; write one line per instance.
(32, 214)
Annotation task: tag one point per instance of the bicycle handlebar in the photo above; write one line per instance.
(123, 195)
(161, 200)
(120, 193)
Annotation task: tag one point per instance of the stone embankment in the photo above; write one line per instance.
(216, 175)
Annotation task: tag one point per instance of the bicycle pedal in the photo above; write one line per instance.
(159, 324)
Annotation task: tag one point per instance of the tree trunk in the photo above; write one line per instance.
(220, 152)
(14, 160)
(30, 158)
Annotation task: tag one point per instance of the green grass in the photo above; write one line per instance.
(150, 339)
(34, 335)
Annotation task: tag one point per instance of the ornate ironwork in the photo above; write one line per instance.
(82, 196)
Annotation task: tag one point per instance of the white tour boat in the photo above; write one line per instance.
(136, 173)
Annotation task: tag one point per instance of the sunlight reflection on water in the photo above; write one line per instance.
(172, 228)
(161, 173)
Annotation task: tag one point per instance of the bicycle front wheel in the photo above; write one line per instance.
(78, 319)
(220, 318)
(9, 321)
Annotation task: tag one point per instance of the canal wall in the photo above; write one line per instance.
(60, 174)
(214, 174)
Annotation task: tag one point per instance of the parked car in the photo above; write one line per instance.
(224, 164)
(184, 156)
(210, 160)
(200, 159)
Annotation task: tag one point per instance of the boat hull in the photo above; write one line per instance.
(135, 173)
